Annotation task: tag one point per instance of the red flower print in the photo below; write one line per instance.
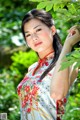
(19, 93)
(35, 87)
(26, 98)
(18, 90)
(60, 107)
(25, 79)
(29, 110)
(46, 63)
(34, 91)
(23, 104)
(20, 86)
(39, 80)
(27, 88)
(64, 100)
(30, 96)
(38, 76)
(31, 101)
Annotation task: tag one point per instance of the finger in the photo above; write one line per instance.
(75, 27)
(72, 32)
(78, 28)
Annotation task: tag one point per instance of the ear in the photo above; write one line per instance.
(53, 29)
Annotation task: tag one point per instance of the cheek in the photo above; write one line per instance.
(30, 44)
(44, 35)
(47, 36)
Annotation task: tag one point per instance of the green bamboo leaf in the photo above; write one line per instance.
(78, 95)
(62, 5)
(79, 85)
(77, 55)
(49, 6)
(41, 5)
(70, 58)
(64, 65)
(56, 7)
(35, 0)
(72, 8)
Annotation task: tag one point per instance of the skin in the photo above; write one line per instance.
(60, 89)
(39, 37)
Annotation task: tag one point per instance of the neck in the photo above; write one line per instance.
(45, 53)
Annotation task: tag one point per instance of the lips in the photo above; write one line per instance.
(39, 43)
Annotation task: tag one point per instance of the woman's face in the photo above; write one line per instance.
(39, 37)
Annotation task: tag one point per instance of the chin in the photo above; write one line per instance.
(40, 50)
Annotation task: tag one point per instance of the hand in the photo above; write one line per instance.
(73, 36)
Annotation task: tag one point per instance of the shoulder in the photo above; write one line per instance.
(32, 66)
(26, 77)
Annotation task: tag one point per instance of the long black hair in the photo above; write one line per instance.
(46, 18)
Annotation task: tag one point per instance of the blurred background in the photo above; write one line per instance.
(16, 57)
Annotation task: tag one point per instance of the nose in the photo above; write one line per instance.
(34, 37)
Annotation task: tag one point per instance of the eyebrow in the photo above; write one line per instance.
(36, 26)
(33, 28)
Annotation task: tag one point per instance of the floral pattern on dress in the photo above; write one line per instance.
(34, 94)
(28, 95)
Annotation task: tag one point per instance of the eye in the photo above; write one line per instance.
(28, 35)
(39, 29)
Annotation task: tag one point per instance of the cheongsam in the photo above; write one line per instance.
(34, 94)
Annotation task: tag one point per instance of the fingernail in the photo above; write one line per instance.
(73, 32)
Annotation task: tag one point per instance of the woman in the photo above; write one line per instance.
(43, 90)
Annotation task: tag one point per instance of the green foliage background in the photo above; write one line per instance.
(15, 59)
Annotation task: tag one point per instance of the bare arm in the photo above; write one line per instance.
(63, 79)
(72, 74)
